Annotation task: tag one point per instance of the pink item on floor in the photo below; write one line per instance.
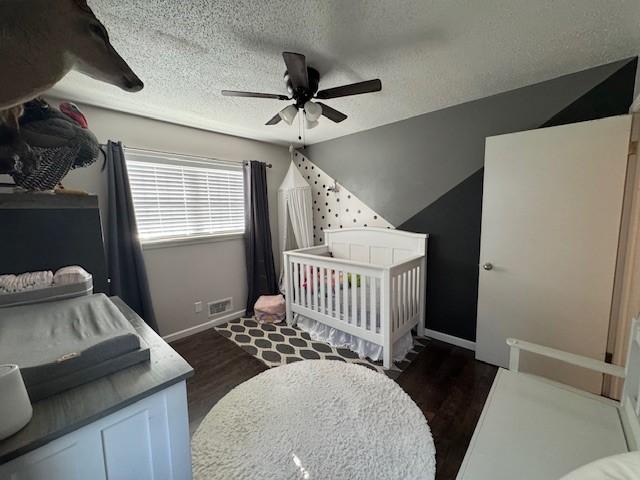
(270, 309)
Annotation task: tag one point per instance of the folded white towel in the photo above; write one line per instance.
(71, 274)
(24, 281)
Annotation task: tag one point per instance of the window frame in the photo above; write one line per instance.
(175, 159)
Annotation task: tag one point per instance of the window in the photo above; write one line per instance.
(178, 197)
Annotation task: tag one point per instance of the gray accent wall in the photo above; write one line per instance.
(425, 174)
(400, 168)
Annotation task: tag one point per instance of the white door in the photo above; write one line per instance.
(550, 224)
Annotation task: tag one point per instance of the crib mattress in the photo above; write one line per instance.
(59, 345)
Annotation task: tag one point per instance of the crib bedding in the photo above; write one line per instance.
(337, 338)
(365, 349)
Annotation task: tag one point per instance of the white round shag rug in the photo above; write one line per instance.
(315, 420)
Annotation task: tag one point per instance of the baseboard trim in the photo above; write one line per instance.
(443, 337)
(203, 326)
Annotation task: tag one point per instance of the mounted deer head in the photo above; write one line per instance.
(41, 40)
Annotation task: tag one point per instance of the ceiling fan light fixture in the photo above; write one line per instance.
(312, 111)
(288, 114)
(309, 124)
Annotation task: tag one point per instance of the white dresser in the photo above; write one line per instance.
(130, 425)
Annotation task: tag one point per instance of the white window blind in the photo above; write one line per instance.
(176, 196)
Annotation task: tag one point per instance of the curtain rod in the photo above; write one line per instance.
(181, 154)
(246, 162)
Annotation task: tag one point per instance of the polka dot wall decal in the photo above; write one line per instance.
(335, 206)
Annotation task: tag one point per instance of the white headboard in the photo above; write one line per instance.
(379, 246)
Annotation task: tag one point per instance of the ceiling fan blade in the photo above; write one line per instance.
(276, 119)
(352, 89)
(297, 69)
(235, 93)
(331, 113)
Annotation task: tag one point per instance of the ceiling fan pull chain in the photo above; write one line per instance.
(301, 128)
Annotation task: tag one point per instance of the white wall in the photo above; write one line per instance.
(182, 275)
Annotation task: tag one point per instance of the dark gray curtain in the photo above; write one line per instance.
(261, 271)
(125, 261)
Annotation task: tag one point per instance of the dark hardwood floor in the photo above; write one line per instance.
(445, 381)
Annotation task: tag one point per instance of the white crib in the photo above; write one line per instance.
(368, 282)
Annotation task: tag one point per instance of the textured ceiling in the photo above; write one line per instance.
(429, 55)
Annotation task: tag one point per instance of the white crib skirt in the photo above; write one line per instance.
(337, 338)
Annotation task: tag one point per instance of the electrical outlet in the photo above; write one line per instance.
(198, 307)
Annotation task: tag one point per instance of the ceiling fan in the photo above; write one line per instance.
(302, 84)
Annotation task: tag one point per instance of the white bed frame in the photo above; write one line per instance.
(390, 263)
(533, 428)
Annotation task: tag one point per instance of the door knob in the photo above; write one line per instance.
(487, 266)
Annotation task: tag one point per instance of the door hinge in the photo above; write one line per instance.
(633, 148)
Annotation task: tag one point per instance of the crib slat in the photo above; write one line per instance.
(354, 298)
(416, 291)
(296, 282)
(409, 283)
(416, 281)
(345, 293)
(394, 303)
(331, 293)
(335, 276)
(411, 293)
(323, 282)
(363, 301)
(307, 272)
(400, 301)
(315, 273)
(373, 303)
(405, 297)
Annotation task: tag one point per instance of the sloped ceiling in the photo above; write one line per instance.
(428, 54)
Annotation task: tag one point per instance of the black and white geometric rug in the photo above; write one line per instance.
(276, 344)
